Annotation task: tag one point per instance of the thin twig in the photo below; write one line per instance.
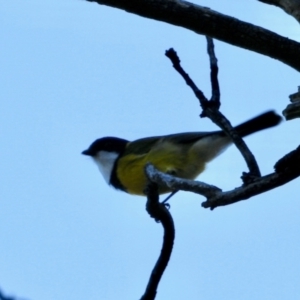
(211, 108)
(172, 55)
(214, 69)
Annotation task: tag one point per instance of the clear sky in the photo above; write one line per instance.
(73, 71)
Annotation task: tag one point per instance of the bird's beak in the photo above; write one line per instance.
(86, 152)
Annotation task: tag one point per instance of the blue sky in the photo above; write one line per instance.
(74, 71)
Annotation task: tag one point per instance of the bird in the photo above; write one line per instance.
(184, 155)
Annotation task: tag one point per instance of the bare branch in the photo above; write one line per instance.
(203, 20)
(291, 7)
(218, 118)
(287, 169)
(214, 70)
(176, 183)
(211, 108)
(161, 214)
(172, 55)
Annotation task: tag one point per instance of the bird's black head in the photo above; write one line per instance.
(109, 144)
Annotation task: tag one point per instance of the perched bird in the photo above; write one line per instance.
(184, 155)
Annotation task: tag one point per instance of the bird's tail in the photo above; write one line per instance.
(263, 121)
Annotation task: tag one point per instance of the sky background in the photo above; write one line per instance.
(73, 71)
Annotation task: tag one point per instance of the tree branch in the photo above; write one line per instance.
(211, 108)
(205, 21)
(161, 214)
(176, 183)
(286, 170)
(214, 70)
(291, 7)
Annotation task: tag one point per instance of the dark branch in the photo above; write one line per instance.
(290, 162)
(161, 214)
(175, 183)
(205, 21)
(172, 55)
(214, 69)
(286, 170)
(211, 108)
(218, 118)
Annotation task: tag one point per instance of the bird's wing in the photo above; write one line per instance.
(188, 137)
(143, 146)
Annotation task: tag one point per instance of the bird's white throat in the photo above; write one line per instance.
(105, 161)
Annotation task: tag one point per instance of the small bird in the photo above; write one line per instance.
(183, 155)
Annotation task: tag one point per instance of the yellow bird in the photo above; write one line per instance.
(184, 155)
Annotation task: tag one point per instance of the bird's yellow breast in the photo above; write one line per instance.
(168, 158)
